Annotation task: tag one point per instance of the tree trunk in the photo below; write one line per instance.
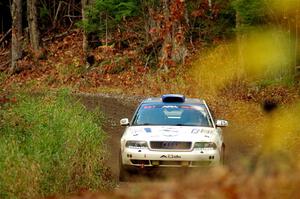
(34, 33)
(85, 43)
(16, 35)
(239, 39)
(173, 49)
(167, 44)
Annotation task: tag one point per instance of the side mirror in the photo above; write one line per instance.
(124, 122)
(221, 123)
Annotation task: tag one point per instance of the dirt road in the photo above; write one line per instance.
(114, 107)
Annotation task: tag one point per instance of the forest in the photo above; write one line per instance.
(152, 34)
(70, 68)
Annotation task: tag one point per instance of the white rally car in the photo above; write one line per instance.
(171, 131)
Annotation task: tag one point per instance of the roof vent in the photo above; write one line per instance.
(173, 98)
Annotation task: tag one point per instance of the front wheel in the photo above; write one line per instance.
(222, 158)
(124, 174)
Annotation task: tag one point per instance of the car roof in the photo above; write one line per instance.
(187, 101)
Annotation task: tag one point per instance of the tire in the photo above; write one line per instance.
(222, 159)
(124, 174)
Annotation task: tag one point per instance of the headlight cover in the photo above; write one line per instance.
(136, 144)
(205, 146)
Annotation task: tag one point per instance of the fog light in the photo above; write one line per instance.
(155, 163)
(185, 163)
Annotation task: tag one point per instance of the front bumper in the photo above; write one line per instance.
(148, 158)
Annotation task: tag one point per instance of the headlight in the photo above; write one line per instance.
(205, 145)
(136, 144)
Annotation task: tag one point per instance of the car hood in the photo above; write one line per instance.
(173, 133)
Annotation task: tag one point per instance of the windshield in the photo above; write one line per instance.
(172, 114)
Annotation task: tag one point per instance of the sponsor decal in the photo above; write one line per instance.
(202, 131)
(136, 132)
(170, 107)
(148, 130)
(186, 107)
(170, 132)
(148, 107)
(195, 131)
(170, 156)
(168, 129)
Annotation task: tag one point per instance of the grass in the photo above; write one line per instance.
(3, 76)
(50, 145)
(262, 57)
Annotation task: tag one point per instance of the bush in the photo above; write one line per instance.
(50, 144)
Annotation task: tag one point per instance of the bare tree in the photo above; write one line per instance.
(173, 48)
(85, 45)
(33, 26)
(89, 59)
(16, 51)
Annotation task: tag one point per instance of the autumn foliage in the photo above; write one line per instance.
(238, 55)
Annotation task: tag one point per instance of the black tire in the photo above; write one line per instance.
(124, 174)
(223, 155)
